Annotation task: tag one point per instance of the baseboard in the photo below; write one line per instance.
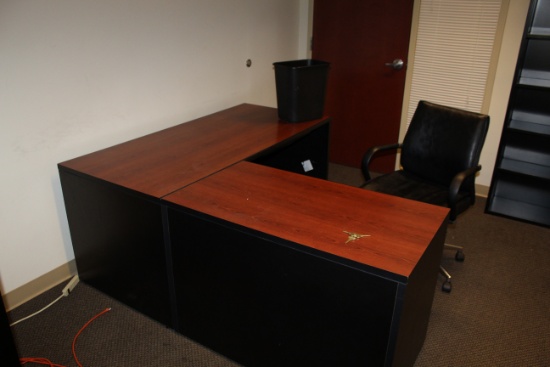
(39, 285)
(482, 190)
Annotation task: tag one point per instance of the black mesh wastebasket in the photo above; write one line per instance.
(301, 88)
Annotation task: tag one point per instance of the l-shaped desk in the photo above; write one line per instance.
(224, 229)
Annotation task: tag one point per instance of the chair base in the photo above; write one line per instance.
(447, 286)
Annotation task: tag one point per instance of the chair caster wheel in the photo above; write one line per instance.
(460, 256)
(447, 286)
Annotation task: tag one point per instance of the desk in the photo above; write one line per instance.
(8, 349)
(165, 161)
(203, 228)
(263, 273)
(113, 197)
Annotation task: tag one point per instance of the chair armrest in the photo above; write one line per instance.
(457, 182)
(367, 157)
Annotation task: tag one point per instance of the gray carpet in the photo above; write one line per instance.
(498, 313)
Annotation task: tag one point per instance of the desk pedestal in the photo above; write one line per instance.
(265, 289)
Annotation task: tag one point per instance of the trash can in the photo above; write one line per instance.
(301, 88)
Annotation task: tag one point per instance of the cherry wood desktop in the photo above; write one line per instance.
(165, 161)
(208, 228)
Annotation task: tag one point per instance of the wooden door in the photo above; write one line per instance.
(364, 95)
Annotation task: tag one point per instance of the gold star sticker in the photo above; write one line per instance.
(355, 236)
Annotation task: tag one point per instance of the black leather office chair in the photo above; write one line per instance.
(439, 161)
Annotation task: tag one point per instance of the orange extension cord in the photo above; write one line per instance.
(43, 361)
(47, 362)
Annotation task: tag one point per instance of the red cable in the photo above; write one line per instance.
(47, 362)
(82, 329)
(43, 361)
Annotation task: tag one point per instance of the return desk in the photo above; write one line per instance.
(208, 228)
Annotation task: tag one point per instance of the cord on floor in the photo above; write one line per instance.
(64, 293)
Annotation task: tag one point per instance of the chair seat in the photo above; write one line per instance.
(406, 185)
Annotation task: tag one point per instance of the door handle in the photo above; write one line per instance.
(396, 64)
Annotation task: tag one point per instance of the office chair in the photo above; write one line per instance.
(439, 161)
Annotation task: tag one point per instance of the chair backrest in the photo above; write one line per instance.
(443, 141)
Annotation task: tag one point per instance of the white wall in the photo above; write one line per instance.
(77, 76)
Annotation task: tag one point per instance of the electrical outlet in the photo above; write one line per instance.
(70, 286)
